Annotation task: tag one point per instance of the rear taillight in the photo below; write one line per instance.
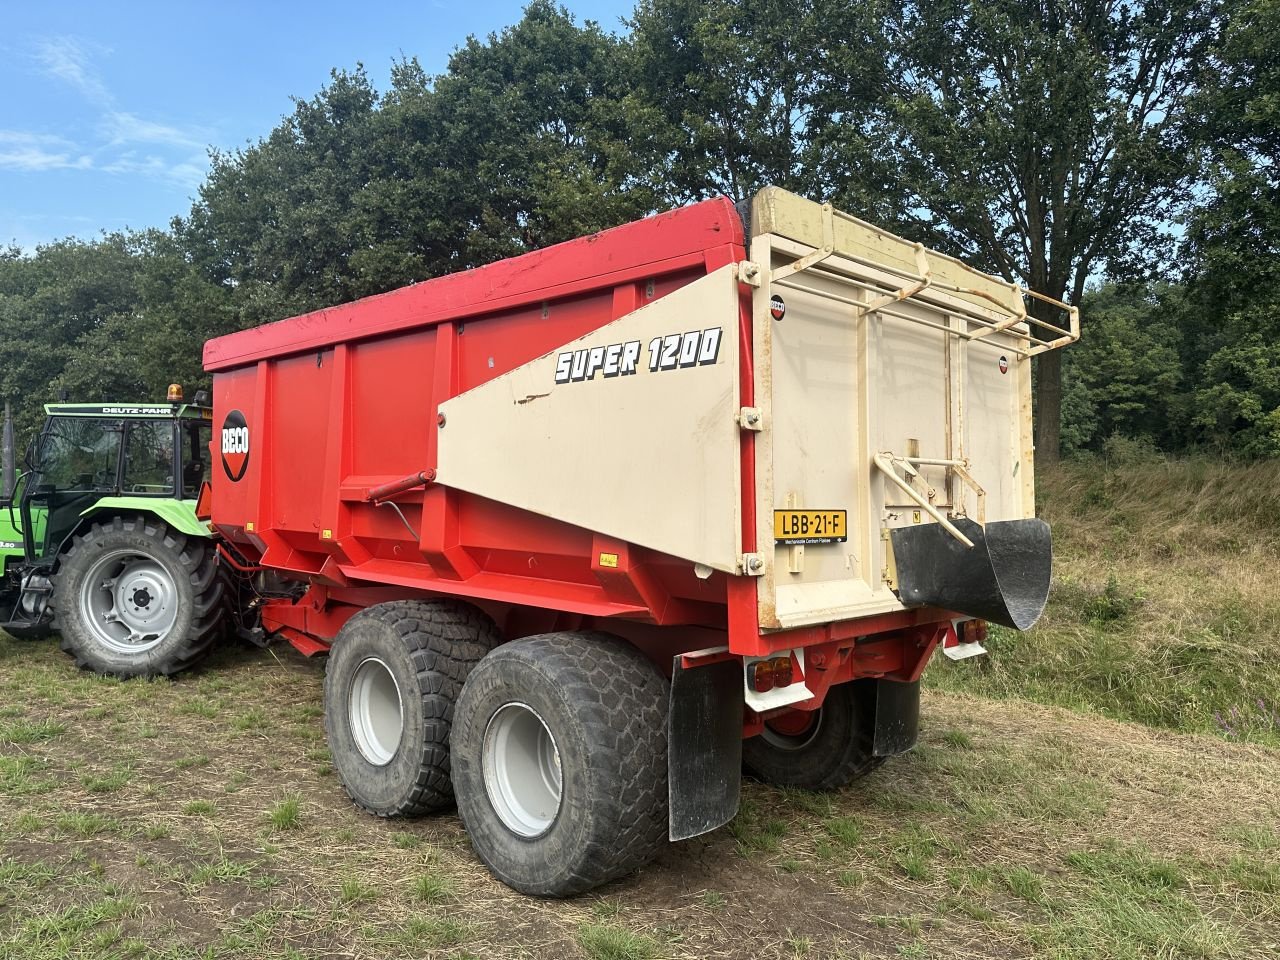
(760, 676)
(973, 631)
(764, 675)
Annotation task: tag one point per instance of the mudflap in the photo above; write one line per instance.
(704, 746)
(1002, 578)
(897, 716)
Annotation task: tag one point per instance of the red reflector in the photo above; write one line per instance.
(760, 676)
(781, 671)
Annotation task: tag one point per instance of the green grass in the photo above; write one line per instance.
(434, 888)
(437, 932)
(199, 808)
(25, 731)
(355, 891)
(607, 942)
(286, 815)
(108, 782)
(1163, 605)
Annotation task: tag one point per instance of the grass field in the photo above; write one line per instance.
(200, 818)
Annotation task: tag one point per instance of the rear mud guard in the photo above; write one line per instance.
(1004, 577)
(894, 709)
(704, 746)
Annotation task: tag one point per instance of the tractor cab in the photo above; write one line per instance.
(90, 460)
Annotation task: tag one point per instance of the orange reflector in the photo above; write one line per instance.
(781, 671)
(175, 393)
(760, 676)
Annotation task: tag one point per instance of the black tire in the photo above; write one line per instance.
(604, 706)
(833, 751)
(193, 596)
(428, 648)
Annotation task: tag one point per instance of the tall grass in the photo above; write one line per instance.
(1165, 605)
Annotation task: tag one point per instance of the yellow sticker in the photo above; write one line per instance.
(608, 559)
(326, 534)
(249, 527)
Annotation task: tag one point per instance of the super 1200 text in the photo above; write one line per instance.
(673, 352)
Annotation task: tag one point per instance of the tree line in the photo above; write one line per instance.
(1118, 154)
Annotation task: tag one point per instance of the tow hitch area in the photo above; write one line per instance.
(1003, 577)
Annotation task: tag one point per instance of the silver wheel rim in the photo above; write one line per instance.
(522, 770)
(129, 601)
(786, 741)
(376, 713)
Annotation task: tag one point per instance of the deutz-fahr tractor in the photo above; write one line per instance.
(99, 539)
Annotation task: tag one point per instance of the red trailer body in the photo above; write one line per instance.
(339, 402)
(797, 461)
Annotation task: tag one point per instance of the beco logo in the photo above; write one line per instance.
(235, 445)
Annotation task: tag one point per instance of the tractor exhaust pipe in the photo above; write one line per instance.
(8, 467)
(1004, 577)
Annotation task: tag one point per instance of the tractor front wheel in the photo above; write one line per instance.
(134, 598)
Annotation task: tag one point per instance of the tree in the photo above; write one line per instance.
(746, 95)
(1233, 241)
(1125, 378)
(1045, 140)
(529, 138)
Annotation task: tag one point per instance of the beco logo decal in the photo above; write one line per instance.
(235, 445)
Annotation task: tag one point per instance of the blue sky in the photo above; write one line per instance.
(107, 109)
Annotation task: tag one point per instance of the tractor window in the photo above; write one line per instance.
(80, 454)
(148, 457)
(195, 457)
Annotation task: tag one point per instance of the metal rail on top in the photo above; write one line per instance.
(885, 285)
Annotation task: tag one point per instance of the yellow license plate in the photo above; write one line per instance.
(810, 526)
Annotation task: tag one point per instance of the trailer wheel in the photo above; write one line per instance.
(390, 686)
(134, 598)
(821, 749)
(560, 762)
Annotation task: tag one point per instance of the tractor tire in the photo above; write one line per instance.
(560, 762)
(393, 677)
(822, 749)
(134, 598)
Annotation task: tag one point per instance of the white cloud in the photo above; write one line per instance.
(124, 127)
(67, 59)
(176, 154)
(34, 152)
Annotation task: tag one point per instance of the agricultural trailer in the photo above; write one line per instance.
(587, 531)
(99, 539)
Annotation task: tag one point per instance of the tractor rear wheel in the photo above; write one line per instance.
(390, 685)
(560, 762)
(821, 749)
(135, 598)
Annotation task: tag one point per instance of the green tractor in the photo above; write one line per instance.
(99, 539)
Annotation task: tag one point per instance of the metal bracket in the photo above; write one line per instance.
(749, 273)
(750, 418)
(752, 564)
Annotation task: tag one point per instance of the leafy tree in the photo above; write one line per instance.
(752, 94)
(526, 140)
(1044, 140)
(1125, 376)
(1234, 242)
